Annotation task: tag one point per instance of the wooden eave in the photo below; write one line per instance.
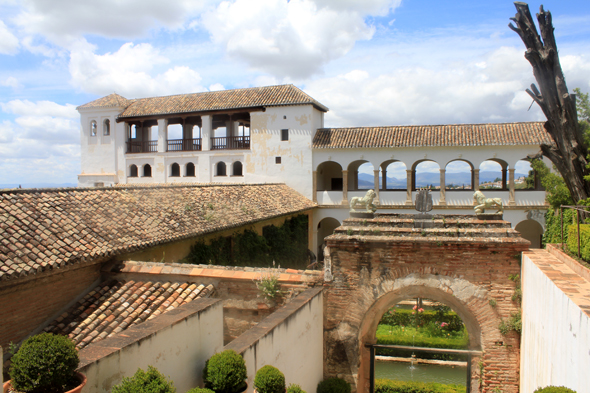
(190, 114)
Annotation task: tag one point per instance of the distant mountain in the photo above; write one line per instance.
(38, 185)
(432, 178)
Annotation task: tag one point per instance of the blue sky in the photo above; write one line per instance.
(372, 62)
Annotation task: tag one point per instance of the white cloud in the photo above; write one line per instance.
(11, 82)
(6, 132)
(40, 108)
(292, 38)
(128, 72)
(8, 42)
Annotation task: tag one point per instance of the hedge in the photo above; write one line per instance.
(572, 242)
(401, 317)
(391, 386)
(432, 342)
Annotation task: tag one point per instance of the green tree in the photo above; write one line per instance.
(555, 188)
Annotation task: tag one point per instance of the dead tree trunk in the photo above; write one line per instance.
(568, 152)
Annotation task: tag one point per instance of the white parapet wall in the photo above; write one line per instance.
(291, 339)
(555, 346)
(177, 343)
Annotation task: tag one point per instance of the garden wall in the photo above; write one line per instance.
(290, 339)
(555, 347)
(177, 343)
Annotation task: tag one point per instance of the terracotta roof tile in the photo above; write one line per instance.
(111, 101)
(82, 224)
(530, 133)
(115, 306)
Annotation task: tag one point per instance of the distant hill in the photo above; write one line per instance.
(431, 178)
(38, 185)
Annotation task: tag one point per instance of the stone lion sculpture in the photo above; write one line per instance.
(483, 203)
(366, 202)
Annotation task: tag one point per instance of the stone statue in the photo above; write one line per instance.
(483, 203)
(366, 202)
(423, 201)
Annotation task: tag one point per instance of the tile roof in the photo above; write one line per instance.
(530, 133)
(213, 101)
(114, 306)
(45, 229)
(111, 101)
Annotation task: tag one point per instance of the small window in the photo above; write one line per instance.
(133, 132)
(284, 117)
(106, 125)
(190, 169)
(277, 160)
(285, 135)
(133, 170)
(99, 184)
(175, 170)
(220, 169)
(237, 168)
(93, 127)
(147, 170)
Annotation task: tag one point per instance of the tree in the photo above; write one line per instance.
(583, 111)
(568, 150)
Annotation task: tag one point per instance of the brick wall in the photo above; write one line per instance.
(372, 273)
(25, 306)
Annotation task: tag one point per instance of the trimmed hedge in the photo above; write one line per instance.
(333, 385)
(294, 388)
(554, 389)
(225, 372)
(200, 390)
(401, 317)
(151, 381)
(391, 386)
(572, 241)
(269, 379)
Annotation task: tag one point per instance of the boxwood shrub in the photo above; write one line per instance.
(269, 380)
(391, 386)
(294, 388)
(554, 389)
(572, 240)
(333, 385)
(151, 381)
(225, 372)
(44, 362)
(200, 390)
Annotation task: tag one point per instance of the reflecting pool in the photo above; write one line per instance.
(421, 372)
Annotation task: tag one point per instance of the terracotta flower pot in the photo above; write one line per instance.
(77, 389)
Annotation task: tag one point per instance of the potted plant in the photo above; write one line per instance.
(151, 381)
(45, 363)
(269, 380)
(294, 388)
(225, 372)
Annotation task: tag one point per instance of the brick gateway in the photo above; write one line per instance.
(462, 261)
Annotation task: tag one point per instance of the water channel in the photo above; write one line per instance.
(421, 372)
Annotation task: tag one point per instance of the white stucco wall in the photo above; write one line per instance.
(294, 345)
(178, 350)
(555, 346)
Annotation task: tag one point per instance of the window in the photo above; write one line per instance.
(175, 170)
(133, 170)
(147, 170)
(99, 184)
(190, 169)
(277, 160)
(237, 168)
(93, 127)
(133, 132)
(220, 169)
(285, 135)
(106, 127)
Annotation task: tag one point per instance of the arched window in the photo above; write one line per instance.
(220, 169)
(493, 175)
(106, 127)
(394, 176)
(524, 176)
(133, 170)
(93, 128)
(426, 175)
(147, 170)
(190, 169)
(237, 169)
(458, 175)
(175, 170)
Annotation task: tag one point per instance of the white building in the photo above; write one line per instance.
(275, 134)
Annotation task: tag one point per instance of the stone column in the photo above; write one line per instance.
(384, 178)
(345, 187)
(162, 135)
(443, 188)
(314, 196)
(475, 180)
(376, 188)
(206, 132)
(511, 201)
(409, 187)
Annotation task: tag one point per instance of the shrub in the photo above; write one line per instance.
(151, 381)
(269, 380)
(333, 385)
(401, 317)
(44, 362)
(391, 386)
(225, 372)
(200, 390)
(294, 388)
(554, 389)
(572, 240)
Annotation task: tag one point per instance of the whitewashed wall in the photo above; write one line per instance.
(291, 339)
(555, 346)
(177, 343)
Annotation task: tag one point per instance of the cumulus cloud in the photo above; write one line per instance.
(40, 108)
(128, 72)
(11, 82)
(8, 42)
(295, 38)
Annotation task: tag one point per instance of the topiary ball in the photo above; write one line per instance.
(44, 362)
(555, 389)
(151, 381)
(200, 390)
(269, 380)
(225, 372)
(333, 385)
(294, 388)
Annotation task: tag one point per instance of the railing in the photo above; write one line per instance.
(184, 144)
(142, 146)
(230, 143)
